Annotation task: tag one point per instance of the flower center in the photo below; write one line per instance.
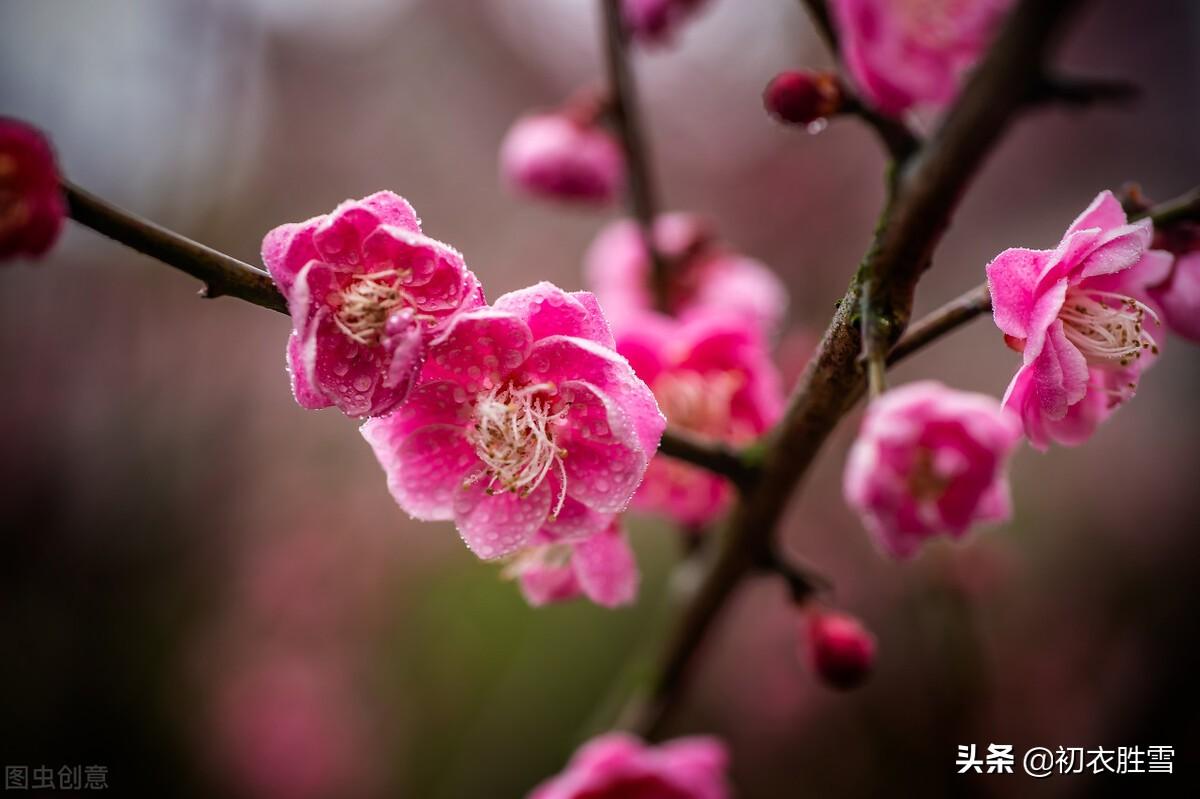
(364, 305)
(700, 403)
(513, 435)
(1106, 327)
(14, 212)
(925, 481)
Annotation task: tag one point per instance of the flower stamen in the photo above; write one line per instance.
(364, 305)
(1107, 327)
(513, 436)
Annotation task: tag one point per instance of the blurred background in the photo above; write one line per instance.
(209, 590)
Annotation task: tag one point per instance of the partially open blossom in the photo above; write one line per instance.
(32, 207)
(1178, 297)
(906, 53)
(561, 156)
(713, 378)
(656, 21)
(366, 291)
(706, 277)
(619, 766)
(1074, 311)
(802, 97)
(841, 651)
(522, 408)
(930, 460)
(557, 567)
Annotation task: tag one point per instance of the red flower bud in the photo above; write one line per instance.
(31, 202)
(840, 650)
(801, 98)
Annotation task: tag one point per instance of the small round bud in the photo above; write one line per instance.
(801, 98)
(840, 650)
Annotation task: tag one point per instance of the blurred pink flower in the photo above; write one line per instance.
(706, 277)
(712, 378)
(366, 291)
(840, 650)
(556, 568)
(522, 406)
(1178, 297)
(656, 21)
(32, 206)
(619, 766)
(930, 460)
(562, 156)
(288, 728)
(1072, 311)
(905, 53)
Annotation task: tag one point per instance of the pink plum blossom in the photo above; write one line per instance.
(366, 291)
(906, 53)
(707, 277)
(930, 460)
(562, 156)
(32, 206)
(557, 567)
(841, 651)
(1178, 297)
(523, 409)
(1079, 316)
(713, 378)
(619, 766)
(656, 21)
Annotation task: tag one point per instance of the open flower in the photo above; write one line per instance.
(712, 378)
(619, 766)
(366, 291)
(656, 21)
(930, 460)
(905, 53)
(558, 566)
(522, 408)
(32, 207)
(562, 156)
(1071, 311)
(706, 277)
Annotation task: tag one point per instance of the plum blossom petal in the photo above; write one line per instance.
(903, 55)
(619, 766)
(1178, 295)
(600, 567)
(495, 524)
(426, 470)
(550, 311)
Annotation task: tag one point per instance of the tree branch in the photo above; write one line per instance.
(716, 457)
(221, 274)
(926, 193)
(623, 107)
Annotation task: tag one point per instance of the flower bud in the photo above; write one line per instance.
(32, 207)
(558, 157)
(840, 650)
(800, 98)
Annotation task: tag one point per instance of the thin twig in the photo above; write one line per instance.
(623, 106)
(1184, 208)
(953, 314)
(716, 457)
(222, 274)
(927, 193)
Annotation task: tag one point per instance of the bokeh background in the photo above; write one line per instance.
(209, 590)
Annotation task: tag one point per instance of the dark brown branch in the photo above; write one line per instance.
(926, 193)
(623, 106)
(953, 314)
(221, 274)
(1184, 208)
(1083, 92)
(716, 457)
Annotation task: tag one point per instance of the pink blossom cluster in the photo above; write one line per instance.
(704, 350)
(517, 420)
